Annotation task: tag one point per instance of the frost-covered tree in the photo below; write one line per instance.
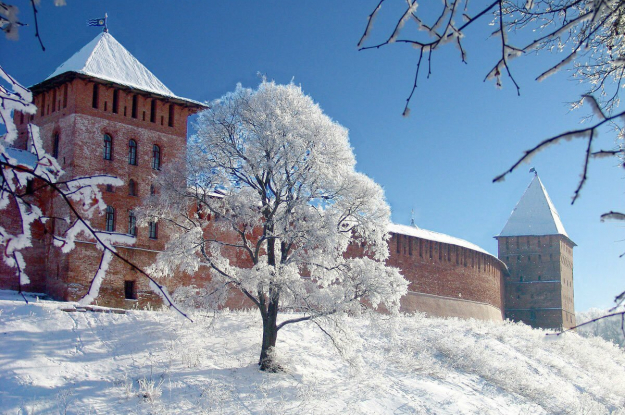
(269, 203)
(589, 35)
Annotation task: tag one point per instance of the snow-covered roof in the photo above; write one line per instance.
(106, 59)
(434, 236)
(534, 215)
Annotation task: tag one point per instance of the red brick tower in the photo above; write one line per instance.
(103, 112)
(539, 256)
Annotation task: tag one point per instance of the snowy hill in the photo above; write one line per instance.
(158, 363)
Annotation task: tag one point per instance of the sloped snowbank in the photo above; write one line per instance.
(156, 362)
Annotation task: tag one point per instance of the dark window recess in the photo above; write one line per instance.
(152, 190)
(95, 98)
(109, 188)
(132, 224)
(43, 104)
(110, 219)
(156, 157)
(65, 96)
(105, 105)
(129, 290)
(54, 100)
(132, 152)
(135, 100)
(108, 147)
(153, 226)
(171, 115)
(153, 111)
(115, 108)
(55, 145)
(132, 188)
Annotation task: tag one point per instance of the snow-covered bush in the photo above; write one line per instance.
(609, 328)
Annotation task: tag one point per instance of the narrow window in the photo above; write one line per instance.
(115, 101)
(108, 147)
(65, 96)
(55, 146)
(153, 230)
(152, 190)
(110, 219)
(143, 116)
(410, 246)
(153, 111)
(54, 100)
(109, 188)
(43, 103)
(106, 105)
(156, 157)
(21, 118)
(162, 120)
(132, 223)
(171, 115)
(129, 290)
(134, 106)
(95, 98)
(398, 244)
(132, 188)
(132, 152)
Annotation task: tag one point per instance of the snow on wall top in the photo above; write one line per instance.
(534, 215)
(105, 58)
(435, 236)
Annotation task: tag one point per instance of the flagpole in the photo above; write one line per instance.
(106, 28)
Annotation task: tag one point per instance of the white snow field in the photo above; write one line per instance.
(148, 362)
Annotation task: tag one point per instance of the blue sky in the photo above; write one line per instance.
(439, 162)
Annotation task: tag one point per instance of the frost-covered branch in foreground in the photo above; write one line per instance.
(268, 206)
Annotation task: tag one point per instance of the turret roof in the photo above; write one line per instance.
(534, 215)
(106, 59)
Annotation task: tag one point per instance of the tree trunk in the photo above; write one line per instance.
(270, 334)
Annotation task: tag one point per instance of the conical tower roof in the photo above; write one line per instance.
(534, 215)
(104, 58)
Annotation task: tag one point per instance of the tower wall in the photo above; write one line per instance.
(539, 288)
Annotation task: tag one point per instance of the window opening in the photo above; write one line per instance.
(153, 111)
(153, 226)
(55, 146)
(156, 157)
(129, 290)
(134, 106)
(132, 188)
(132, 223)
(110, 219)
(108, 147)
(95, 98)
(132, 152)
(115, 108)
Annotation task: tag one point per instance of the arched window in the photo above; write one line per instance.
(132, 188)
(153, 226)
(170, 122)
(55, 145)
(156, 157)
(132, 223)
(132, 152)
(110, 219)
(108, 147)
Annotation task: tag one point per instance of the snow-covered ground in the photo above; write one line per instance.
(144, 362)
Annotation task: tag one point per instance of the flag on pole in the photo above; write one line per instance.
(533, 170)
(97, 22)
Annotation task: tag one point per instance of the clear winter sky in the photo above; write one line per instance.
(440, 161)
